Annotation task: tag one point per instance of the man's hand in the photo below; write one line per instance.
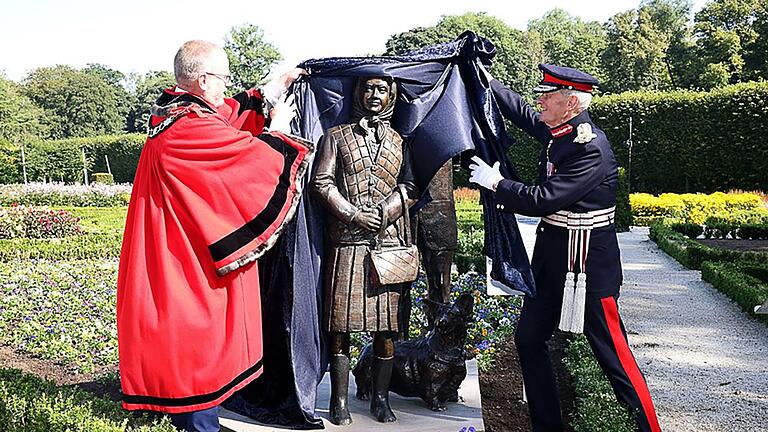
(275, 89)
(282, 114)
(485, 175)
(368, 219)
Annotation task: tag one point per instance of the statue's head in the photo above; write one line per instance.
(376, 95)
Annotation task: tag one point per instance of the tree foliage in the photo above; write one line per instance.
(250, 56)
(517, 53)
(76, 103)
(569, 41)
(147, 89)
(20, 119)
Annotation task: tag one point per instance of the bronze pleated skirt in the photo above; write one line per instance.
(354, 301)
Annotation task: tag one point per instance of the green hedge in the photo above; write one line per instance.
(623, 209)
(31, 404)
(86, 246)
(692, 254)
(62, 160)
(596, 407)
(745, 283)
(683, 141)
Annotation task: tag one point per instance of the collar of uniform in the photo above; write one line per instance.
(562, 130)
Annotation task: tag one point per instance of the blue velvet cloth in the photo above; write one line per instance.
(445, 109)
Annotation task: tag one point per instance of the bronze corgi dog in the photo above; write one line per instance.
(430, 367)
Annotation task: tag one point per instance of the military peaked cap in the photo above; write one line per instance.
(559, 77)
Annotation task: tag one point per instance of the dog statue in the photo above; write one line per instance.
(430, 367)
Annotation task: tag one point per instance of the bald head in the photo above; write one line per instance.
(196, 57)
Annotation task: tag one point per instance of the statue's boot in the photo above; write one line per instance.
(381, 374)
(339, 409)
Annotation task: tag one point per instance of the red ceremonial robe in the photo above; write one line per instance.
(209, 198)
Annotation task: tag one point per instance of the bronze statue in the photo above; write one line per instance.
(430, 367)
(437, 239)
(361, 169)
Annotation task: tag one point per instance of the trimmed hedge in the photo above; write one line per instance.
(692, 254)
(31, 404)
(88, 246)
(623, 209)
(683, 141)
(62, 160)
(745, 283)
(596, 407)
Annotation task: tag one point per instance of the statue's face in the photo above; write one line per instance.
(375, 95)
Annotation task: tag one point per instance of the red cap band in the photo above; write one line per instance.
(549, 79)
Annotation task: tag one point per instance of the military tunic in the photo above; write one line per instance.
(577, 173)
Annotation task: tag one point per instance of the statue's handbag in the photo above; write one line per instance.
(397, 264)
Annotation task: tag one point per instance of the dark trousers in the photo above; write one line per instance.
(198, 421)
(606, 335)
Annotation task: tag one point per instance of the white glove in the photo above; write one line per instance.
(282, 114)
(276, 88)
(485, 175)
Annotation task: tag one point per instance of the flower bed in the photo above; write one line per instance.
(64, 311)
(692, 208)
(37, 223)
(60, 195)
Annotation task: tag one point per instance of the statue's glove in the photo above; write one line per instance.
(485, 175)
(282, 114)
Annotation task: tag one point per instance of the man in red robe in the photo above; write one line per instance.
(211, 194)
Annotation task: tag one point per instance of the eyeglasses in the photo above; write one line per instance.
(227, 79)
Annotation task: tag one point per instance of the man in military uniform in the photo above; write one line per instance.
(576, 260)
(364, 179)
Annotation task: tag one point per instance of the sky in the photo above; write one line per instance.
(143, 35)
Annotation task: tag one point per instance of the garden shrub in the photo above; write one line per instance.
(61, 195)
(86, 246)
(37, 223)
(692, 254)
(623, 209)
(62, 160)
(596, 407)
(103, 178)
(694, 208)
(31, 404)
(745, 283)
(753, 231)
(689, 230)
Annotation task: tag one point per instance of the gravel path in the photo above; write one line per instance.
(706, 361)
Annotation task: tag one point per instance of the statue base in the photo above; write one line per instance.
(412, 413)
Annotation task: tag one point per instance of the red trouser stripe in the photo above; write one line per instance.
(628, 361)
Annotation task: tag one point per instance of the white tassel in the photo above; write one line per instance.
(566, 311)
(579, 304)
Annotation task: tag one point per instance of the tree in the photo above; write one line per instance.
(756, 52)
(723, 30)
(636, 56)
(147, 89)
(569, 41)
(76, 103)
(250, 56)
(20, 119)
(517, 53)
(117, 81)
